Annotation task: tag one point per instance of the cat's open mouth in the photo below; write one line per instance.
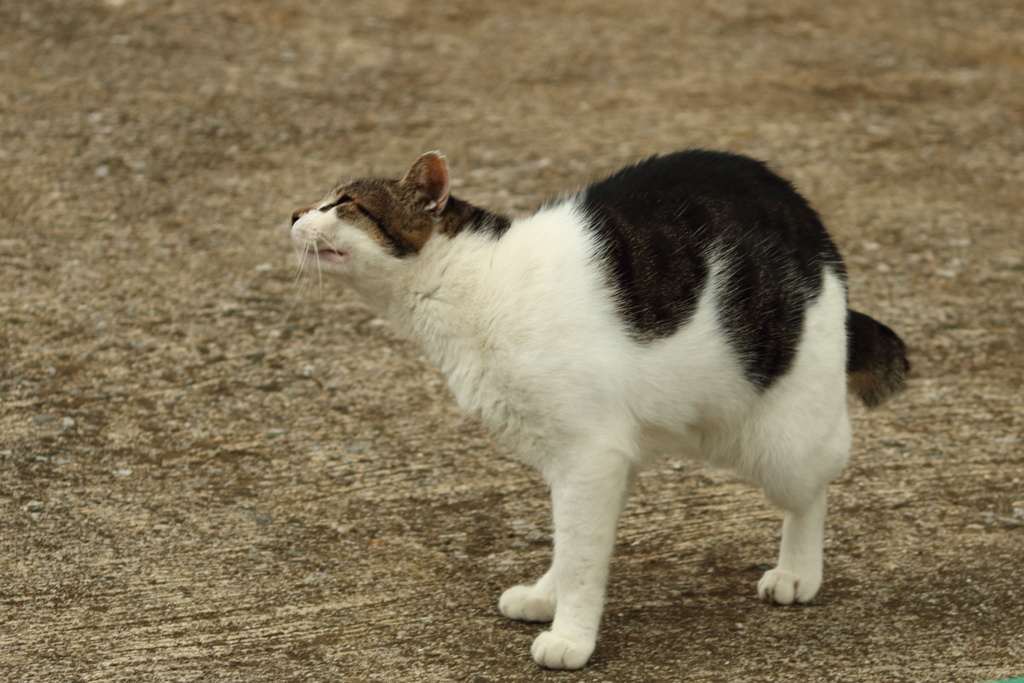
(312, 254)
(332, 255)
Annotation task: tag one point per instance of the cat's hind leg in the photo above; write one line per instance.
(797, 576)
(533, 602)
(800, 489)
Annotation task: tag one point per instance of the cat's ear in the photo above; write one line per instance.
(428, 177)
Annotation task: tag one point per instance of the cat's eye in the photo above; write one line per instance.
(344, 199)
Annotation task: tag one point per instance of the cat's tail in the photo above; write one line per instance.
(876, 359)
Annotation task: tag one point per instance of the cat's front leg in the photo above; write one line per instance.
(587, 499)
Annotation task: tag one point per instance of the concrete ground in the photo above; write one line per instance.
(212, 469)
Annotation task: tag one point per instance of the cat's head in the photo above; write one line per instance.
(368, 226)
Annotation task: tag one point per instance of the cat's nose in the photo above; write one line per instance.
(298, 213)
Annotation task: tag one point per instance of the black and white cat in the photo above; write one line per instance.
(692, 303)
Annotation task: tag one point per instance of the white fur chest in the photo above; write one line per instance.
(505, 320)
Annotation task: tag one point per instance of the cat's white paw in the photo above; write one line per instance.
(527, 603)
(553, 651)
(785, 588)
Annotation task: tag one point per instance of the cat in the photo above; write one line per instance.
(692, 303)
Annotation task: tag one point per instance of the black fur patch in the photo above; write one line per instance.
(460, 216)
(663, 220)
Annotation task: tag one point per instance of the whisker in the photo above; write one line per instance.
(320, 276)
(300, 261)
(310, 249)
(297, 282)
(330, 245)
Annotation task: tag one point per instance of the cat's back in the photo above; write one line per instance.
(690, 173)
(669, 227)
